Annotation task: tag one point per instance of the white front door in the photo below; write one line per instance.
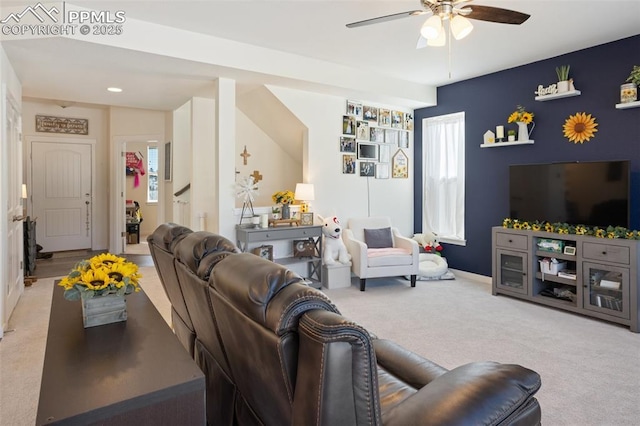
(13, 255)
(61, 187)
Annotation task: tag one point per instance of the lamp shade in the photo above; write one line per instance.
(441, 40)
(460, 27)
(431, 27)
(305, 192)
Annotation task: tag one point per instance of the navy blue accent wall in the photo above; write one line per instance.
(487, 102)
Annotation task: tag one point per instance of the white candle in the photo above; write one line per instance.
(499, 132)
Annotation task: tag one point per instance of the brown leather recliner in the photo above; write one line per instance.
(196, 255)
(161, 245)
(277, 352)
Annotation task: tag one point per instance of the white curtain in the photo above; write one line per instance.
(443, 176)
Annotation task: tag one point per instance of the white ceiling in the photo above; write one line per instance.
(314, 32)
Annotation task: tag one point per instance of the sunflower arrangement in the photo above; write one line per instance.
(99, 276)
(520, 115)
(580, 127)
(566, 229)
(283, 197)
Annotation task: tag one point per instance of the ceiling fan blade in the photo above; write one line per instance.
(494, 14)
(385, 18)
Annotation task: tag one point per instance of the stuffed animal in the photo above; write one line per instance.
(429, 242)
(333, 248)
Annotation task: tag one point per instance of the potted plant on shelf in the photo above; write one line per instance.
(629, 91)
(563, 78)
(511, 135)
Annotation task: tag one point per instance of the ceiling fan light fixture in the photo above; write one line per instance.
(431, 28)
(460, 27)
(439, 41)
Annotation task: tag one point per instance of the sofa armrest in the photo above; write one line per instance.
(358, 251)
(408, 366)
(486, 393)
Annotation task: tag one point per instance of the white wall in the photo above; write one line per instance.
(335, 192)
(181, 212)
(279, 171)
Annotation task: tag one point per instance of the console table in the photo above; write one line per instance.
(247, 236)
(132, 372)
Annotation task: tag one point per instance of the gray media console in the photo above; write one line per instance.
(591, 276)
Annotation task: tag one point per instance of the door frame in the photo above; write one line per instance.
(118, 179)
(56, 139)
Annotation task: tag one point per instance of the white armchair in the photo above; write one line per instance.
(388, 253)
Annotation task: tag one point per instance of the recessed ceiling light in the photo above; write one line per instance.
(114, 89)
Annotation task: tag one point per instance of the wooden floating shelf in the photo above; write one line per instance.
(500, 144)
(558, 95)
(626, 105)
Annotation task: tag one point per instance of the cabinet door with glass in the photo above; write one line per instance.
(606, 289)
(512, 271)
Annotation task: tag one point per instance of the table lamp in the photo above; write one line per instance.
(304, 193)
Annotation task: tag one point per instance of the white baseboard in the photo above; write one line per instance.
(471, 276)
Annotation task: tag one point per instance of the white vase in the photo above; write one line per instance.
(563, 86)
(523, 131)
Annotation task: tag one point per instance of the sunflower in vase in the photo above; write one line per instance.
(101, 275)
(520, 115)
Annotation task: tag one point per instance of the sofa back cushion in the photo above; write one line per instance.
(258, 305)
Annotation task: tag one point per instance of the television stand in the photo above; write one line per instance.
(597, 277)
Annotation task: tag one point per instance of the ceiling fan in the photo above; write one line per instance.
(456, 12)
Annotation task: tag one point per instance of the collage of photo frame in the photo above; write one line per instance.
(369, 136)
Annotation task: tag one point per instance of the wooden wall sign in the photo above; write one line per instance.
(74, 126)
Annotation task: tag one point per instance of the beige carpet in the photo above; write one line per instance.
(590, 369)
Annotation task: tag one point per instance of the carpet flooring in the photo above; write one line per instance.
(590, 369)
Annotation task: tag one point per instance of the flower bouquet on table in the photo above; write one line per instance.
(102, 275)
(283, 197)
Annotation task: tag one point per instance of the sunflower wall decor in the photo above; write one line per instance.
(580, 127)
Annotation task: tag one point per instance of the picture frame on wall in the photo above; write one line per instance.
(367, 151)
(384, 117)
(362, 130)
(408, 121)
(349, 164)
(397, 119)
(403, 141)
(382, 171)
(347, 144)
(384, 153)
(348, 125)
(354, 108)
(400, 165)
(370, 113)
(367, 168)
(391, 136)
(376, 134)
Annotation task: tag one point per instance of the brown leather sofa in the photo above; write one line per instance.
(277, 352)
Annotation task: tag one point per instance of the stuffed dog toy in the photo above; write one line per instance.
(333, 248)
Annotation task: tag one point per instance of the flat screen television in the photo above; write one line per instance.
(594, 193)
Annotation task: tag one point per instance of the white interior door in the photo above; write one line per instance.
(12, 174)
(61, 187)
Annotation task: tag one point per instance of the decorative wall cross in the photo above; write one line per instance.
(245, 154)
(257, 177)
